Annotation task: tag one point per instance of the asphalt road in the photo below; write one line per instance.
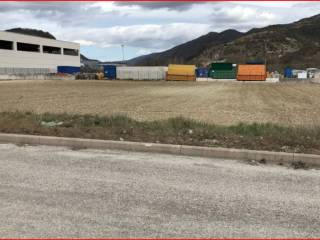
(57, 192)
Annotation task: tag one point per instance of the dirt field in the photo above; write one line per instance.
(214, 102)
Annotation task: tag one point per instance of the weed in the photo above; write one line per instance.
(176, 130)
(299, 165)
(262, 161)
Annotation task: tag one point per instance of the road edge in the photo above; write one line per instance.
(194, 151)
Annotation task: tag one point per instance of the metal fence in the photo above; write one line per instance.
(26, 71)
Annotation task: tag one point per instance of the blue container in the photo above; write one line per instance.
(110, 71)
(288, 72)
(202, 72)
(68, 69)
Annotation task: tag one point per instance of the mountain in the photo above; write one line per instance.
(89, 62)
(95, 65)
(32, 32)
(186, 52)
(296, 44)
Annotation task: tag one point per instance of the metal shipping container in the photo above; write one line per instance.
(141, 73)
(110, 71)
(68, 69)
(223, 74)
(171, 77)
(302, 75)
(251, 72)
(184, 70)
(177, 72)
(221, 66)
(288, 72)
(202, 72)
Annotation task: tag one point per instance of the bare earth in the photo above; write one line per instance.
(214, 102)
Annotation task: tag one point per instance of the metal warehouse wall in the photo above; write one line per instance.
(22, 59)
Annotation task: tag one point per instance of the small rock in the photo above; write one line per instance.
(121, 139)
(190, 131)
(214, 141)
(252, 162)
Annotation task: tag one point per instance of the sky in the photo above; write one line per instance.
(145, 27)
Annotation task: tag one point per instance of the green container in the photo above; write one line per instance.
(221, 66)
(223, 74)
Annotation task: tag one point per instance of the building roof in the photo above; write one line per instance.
(36, 38)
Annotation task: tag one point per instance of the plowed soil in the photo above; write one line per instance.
(213, 102)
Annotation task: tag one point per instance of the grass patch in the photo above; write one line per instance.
(174, 130)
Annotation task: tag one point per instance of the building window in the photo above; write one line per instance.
(51, 50)
(71, 52)
(27, 47)
(7, 45)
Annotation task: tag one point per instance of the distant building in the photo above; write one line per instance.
(21, 54)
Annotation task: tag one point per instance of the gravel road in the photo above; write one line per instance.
(56, 192)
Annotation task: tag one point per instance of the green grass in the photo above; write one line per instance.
(174, 130)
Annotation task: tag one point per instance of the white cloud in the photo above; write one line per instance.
(148, 26)
(153, 36)
(144, 51)
(171, 6)
(84, 42)
(112, 7)
(243, 17)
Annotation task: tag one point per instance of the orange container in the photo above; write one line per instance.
(251, 78)
(251, 72)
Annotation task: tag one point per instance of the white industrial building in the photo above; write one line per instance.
(20, 53)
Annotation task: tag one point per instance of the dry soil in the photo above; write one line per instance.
(214, 102)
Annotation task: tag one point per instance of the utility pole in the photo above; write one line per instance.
(122, 48)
